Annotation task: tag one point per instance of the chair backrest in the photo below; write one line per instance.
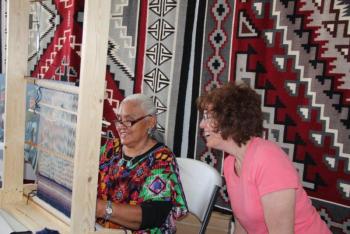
(201, 183)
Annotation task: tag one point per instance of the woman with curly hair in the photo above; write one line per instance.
(265, 191)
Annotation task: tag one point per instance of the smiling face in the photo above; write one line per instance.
(210, 131)
(136, 135)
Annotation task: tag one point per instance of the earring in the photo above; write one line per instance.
(150, 132)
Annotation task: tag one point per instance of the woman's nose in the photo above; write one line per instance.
(120, 126)
(201, 123)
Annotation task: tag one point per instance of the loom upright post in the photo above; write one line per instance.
(14, 117)
(89, 119)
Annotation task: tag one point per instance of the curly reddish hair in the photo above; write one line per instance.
(236, 110)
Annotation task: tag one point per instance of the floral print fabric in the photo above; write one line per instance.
(152, 177)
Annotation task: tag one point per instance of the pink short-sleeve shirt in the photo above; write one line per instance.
(265, 169)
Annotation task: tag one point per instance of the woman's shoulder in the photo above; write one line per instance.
(163, 153)
(268, 152)
(112, 144)
(161, 158)
(109, 149)
(266, 147)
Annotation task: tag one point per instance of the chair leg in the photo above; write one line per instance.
(231, 226)
(209, 210)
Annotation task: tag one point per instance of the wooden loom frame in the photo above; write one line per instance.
(89, 121)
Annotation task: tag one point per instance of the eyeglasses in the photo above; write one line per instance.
(207, 116)
(129, 123)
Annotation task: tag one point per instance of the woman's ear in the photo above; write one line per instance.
(153, 121)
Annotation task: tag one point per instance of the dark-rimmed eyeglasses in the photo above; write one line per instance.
(128, 123)
(207, 116)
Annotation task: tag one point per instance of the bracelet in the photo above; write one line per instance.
(108, 210)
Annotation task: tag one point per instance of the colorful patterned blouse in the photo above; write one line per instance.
(153, 177)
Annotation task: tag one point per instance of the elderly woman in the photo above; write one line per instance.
(264, 188)
(139, 185)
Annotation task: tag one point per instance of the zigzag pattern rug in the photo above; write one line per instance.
(281, 48)
(55, 31)
(54, 53)
(142, 58)
(296, 55)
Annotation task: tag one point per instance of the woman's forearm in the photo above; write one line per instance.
(129, 216)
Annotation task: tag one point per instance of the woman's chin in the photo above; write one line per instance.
(123, 141)
(209, 145)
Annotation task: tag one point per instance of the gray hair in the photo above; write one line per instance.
(145, 102)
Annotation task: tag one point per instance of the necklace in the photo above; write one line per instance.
(127, 162)
(131, 162)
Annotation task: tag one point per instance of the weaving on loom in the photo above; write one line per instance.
(55, 125)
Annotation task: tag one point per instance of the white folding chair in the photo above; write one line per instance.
(201, 184)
